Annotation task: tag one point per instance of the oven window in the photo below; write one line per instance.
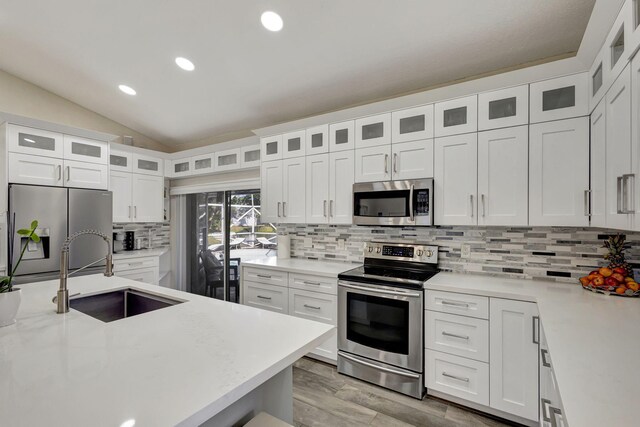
(382, 204)
(379, 323)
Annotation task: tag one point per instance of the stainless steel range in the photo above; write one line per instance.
(381, 316)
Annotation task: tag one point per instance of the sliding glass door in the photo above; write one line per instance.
(225, 229)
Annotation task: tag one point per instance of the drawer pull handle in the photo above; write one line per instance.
(546, 403)
(312, 306)
(554, 417)
(456, 304)
(543, 357)
(261, 297)
(462, 337)
(306, 282)
(466, 380)
(264, 276)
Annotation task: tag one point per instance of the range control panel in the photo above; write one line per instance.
(402, 251)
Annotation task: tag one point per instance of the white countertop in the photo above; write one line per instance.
(140, 253)
(304, 266)
(594, 343)
(178, 365)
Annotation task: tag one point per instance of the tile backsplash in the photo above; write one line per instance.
(160, 236)
(556, 253)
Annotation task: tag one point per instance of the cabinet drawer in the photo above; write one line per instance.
(134, 263)
(451, 302)
(313, 306)
(457, 376)
(144, 275)
(259, 275)
(306, 282)
(268, 297)
(458, 335)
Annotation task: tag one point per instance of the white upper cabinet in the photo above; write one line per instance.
(85, 150)
(373, 131)
(86, 175)
(514, 336)
(455, 180)
(148, 165)
(271, 148)
(619, 179)
(26, 140)
(503, 160)
(598, 202)
(227, 160)
(635, 132)
(293, 190)
(634, 25)
(317, 189)
(121, 185)
(560, 98)
(412, 124)
(503, 108)
(341, 179)
(559, 173)
(202, 164)
(294, 144)
(271, 191)
(181, 167)
(148, 198)
(616, 44)
(120, 160)
(412, 160)
(317, 140)
(250, 156)
(35, 170)
(373, 164)
(342, 136)
(456, 116)
(599, 78)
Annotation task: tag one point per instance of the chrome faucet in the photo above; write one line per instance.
(62, 298)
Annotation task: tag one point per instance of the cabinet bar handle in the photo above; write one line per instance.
(324, 208)
(543, 357)
(462, 337)
(331, 208)
(629, 195)
(312, 306)
(306, 282)
(264, 276)
(395, 162)
(619, 195)
(586, 202)
(68, 173)
(411, 218)
(483, 206)
(130, 212)
(466, 380)
(135, 212)
(471, 199)
(386, 163)
(261, 297)
(545, 409)
(284, 209)
(278, 209)
(456, 304)
(59, 172)
(535, 325)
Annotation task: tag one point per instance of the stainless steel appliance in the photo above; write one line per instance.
(60, 212)
(381, 316)
(407, 202)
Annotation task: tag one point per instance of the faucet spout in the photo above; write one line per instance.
(62, 299)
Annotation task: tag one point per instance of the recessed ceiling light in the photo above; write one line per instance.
(185, 64)
(271, 21)
(126, 89)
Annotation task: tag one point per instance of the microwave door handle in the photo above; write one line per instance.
(411, 217)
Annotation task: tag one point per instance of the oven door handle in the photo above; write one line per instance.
(380, 291)
(380, 368)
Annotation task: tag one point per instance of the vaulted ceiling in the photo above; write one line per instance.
(329, 55)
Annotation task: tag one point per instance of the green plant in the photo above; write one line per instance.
(6, 282)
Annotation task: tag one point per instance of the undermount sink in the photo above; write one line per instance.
(119, 304)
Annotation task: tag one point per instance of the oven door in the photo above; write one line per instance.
(407, 202)
(381, 323)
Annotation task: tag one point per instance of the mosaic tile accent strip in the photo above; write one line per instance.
(160, 236)
(550, 253)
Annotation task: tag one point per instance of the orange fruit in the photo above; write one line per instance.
(621, 290)
(633, 286)
(629, 279)
(584, 280)
(606, 272)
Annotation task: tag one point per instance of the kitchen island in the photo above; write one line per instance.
(202, 361)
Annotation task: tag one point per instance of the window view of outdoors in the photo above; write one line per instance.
(249, 238)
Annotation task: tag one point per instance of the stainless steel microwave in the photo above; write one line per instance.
(402, 202)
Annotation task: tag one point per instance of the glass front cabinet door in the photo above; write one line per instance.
(560, 98)
(271, 147)
(317, 140)
(250, 156)
(456, 116)
(85, 150)
(373, 131)
(341, 136)
(503, 108)
(120, 161)
(294, 144)
(26, 140)
(412, 124)
(227, 159)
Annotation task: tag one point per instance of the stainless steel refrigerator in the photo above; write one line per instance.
(60, 212)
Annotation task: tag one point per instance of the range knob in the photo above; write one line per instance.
(370, 248)
(378, 250)
(419, 252)
(429, 253)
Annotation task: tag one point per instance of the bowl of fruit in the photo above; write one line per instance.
(617, 278)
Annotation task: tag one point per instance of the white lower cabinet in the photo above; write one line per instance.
(141, 269)
(489, 359)
(144, 275)
(514, 336)
(551, 412)
(307, 296)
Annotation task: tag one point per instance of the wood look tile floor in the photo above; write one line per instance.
(323, 397)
